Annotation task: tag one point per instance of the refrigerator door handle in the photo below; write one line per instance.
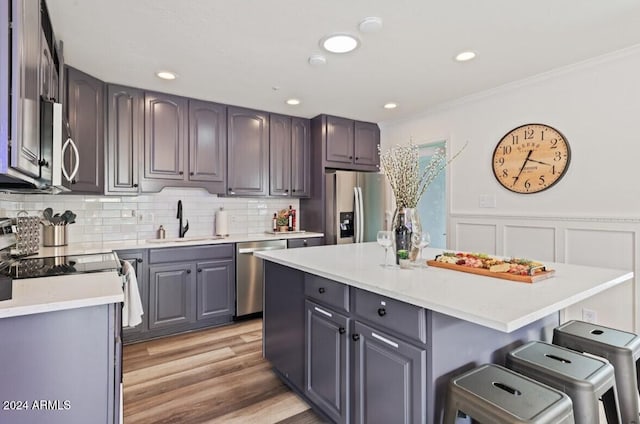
(356, 217)
(361, 215)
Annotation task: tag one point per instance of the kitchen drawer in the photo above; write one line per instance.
(191, 253)
(391, 314)
(305, 242)
(328, 292)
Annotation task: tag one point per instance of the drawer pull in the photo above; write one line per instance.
(382, 312)
(384, 340)
(323, 312)
(342, 330)
(355, 337)
(321, 290)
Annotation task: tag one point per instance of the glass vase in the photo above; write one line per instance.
(405, 222)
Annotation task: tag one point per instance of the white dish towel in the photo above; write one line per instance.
(132, 310)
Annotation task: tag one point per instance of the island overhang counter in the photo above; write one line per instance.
(367, 344)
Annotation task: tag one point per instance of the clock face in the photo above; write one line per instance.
(531, 158)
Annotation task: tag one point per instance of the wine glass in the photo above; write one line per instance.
(385, 239)
(422, 240)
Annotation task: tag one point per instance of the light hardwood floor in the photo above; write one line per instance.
(209, 376)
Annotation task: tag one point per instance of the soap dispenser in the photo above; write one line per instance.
(161, 232)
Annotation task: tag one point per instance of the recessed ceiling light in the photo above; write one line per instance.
(464, 56)
(390, 105)
(339, 43)
(317, 60)
(293, 102)
(370, 24)
(166, 75)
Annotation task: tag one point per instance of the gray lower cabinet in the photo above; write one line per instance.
(85, 111)
(61, 367)
(215, 292)
(327, 361)
(188, 288)
(172, 295)
(139, 261)
(389, 378)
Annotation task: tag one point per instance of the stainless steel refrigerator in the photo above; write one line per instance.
(354, 206)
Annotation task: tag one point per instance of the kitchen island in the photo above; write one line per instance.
(368, 344)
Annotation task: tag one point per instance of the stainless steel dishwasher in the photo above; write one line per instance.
(249, 275)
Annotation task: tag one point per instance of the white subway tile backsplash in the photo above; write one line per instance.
(113, 218)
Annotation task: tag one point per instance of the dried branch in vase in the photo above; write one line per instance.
(402, 167)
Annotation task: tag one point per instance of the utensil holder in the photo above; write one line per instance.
(54, 235)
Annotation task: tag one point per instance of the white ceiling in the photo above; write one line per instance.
(237, 51)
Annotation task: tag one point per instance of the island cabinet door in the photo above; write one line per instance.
(327, 368)
(389, 378)
(171, 295)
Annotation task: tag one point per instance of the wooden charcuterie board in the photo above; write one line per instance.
(541, 275)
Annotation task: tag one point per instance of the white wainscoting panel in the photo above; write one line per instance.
(530, 242)
(603, 242)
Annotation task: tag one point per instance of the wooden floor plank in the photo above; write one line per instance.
(209, 376)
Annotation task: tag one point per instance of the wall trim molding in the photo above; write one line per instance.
(570, 218)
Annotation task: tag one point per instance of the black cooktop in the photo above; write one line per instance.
(62, 265)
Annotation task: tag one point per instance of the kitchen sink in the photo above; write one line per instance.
(184, 239)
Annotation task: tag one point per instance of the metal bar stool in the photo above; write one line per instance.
(585, 379)
(620, 348)
(493, 394)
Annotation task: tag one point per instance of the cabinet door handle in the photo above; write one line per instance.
(199, 269)
(355, 337)
(382, 312)
(231, 191)
(192, 173)
(321, 290)
(188, 271)
(342, 330)
(384, 340)
(323, 312)
(139, 260)
(294, 190)
(181, 172)
(350, 157)
(304, 243)
(357, 158)
(135, 185)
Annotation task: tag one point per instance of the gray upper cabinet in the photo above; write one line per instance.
(280, 155)
(248, 152)
(125, 132)
(349, 144)
(25, 88)
(185, 144)
(290, 156)
(339, 140)
(165, 136)
(208, 145)
(366, 142)
(300, 157)
(85, 111)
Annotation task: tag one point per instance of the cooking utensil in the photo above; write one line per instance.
(47, 213)
(66, 217)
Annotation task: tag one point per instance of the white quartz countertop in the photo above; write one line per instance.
(499, 304)
(81, 248)
(48, 294)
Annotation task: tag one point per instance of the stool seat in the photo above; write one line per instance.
(620, 348)
(584, 379)
(496, 395)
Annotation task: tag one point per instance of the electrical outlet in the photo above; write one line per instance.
(487, 201)
(589, 315)
(145, 218)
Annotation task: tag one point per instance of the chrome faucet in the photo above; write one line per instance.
(181, 230)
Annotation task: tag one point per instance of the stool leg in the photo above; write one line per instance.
(610, 403)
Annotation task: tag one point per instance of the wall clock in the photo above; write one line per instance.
(531, 158)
